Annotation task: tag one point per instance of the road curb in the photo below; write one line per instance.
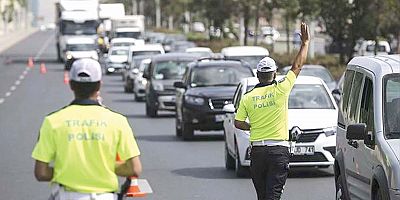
(11, 38)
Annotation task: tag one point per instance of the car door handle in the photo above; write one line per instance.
(353, 143)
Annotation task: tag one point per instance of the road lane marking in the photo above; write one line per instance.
(17, 82)
(2, 100)
(25, 72)
(12, 88)
(21, 77)
(8, 94)
(44, 47)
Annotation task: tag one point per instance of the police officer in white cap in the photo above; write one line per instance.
(266, 108)
(83, 141)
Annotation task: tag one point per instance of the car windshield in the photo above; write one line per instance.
(137, 60)
(127, 35)
(167, 70)
(392, 106)
(119, 52)
(81, 47)
(252, 60)
(307, 96)
(371, 48)
(72, 28)
(218, 76)
(321, 73)
(142, 53)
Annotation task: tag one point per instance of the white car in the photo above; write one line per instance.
(81, 47)
(250, 54)
(115, 42)
(116, 59)
(139, 88)
(367, 48)
(312, 118)
(202, 51)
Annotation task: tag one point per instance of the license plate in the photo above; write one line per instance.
(219, 118)
(302, 150)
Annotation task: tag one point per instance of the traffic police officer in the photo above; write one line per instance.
(83, 140)
(266, 107)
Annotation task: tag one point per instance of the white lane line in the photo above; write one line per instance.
(2, 100)
(45, 45)
(21, 77)
(25, 72)
(12, 88)
(17, 82)
(8, 94)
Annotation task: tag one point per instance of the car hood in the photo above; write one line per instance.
(212, 92)
(395, 146)
(118, 59)
(312, 118)
(83, 54)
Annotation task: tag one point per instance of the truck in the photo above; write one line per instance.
(130, 26)
(75, 18)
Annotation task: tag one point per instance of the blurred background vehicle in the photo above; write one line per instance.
(139, 83)
(250, 54)
(163, 71)
(312, 119)
(317, 71)
(202, 51)
(116, 42)
(132, 72)
(207, 86)
(367, 48)
(79, 47)
(116, 59)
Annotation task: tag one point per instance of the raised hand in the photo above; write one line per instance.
(305, 33)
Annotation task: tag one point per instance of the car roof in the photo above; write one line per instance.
(175, 56)
(245, 51)
(199, 49)
(114, 40)
(147, 47)
(119, 48)
(205, 62)
(380, 65)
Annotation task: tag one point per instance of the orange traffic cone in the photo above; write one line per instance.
(43, 69)
(30, 62)
(66, 78)
(134, 190)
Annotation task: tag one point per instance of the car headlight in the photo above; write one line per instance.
(158, 87)
(143, 81)
(69, 56)
(194, 100)
(330, 131)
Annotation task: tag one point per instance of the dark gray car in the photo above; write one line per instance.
(161, 74)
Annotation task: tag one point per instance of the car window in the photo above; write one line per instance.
(142, 53)
(367, 107)
(80, 47)
(252, 60)
(354, 98)
(348, 80)
(308, 96)
(218, 75)
(323, 74)
(237, 96)
(119, 52)
(392, 106)
(167, 70)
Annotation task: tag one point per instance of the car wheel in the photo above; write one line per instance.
(178, 127)
(339, 189)
(229, 160)
(240, 171)
(151, 111)
(379, 194)
(187, 131)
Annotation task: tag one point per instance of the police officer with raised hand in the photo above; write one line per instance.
(266, 108)
(82, 141)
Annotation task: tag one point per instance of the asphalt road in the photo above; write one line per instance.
(175, 169)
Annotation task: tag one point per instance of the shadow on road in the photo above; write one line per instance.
(108, 85)
(206, 173)
(309, 173)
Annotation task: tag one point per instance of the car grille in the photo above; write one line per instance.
(317, 157)
(219, 103)
(169, 103)
(309, 135)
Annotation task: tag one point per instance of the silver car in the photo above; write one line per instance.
(368, 135)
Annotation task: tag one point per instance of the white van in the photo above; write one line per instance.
(367, 157)
(367, 48)
(250, 54)
(81, 47)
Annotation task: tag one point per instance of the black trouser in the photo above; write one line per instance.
(269, 169)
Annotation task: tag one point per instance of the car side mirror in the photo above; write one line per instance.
(356, 131)
(336, 91)
(229, 108)
(179, 84)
